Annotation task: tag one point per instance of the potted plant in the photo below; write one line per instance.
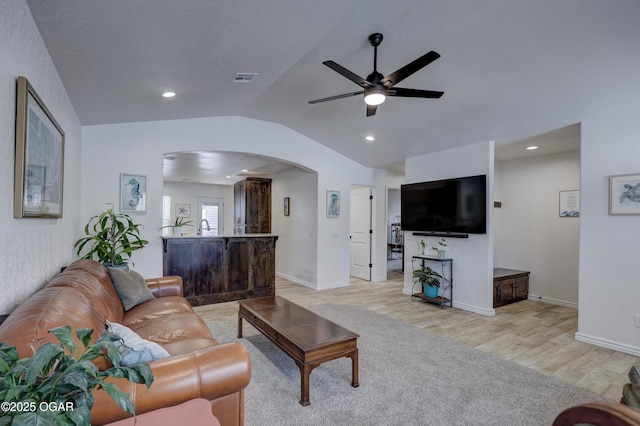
(177, 226)
(54, 386)
(440, 248)
(421, 246)
(429, 279)
(111, 239)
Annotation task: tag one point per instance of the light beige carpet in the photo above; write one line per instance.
(408, 376)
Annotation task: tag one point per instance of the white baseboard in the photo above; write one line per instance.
(310, 285)
(553, 301)
(609, 344)
(474, 309)
(295, 280)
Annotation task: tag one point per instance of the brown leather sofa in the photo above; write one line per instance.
(83, 296)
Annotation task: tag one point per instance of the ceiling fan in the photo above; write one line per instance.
(376, 86)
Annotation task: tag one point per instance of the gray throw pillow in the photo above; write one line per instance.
(134, 349)
(131, 287)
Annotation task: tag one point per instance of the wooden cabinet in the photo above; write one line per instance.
(509, 285)
(221, 269)
(252, 206)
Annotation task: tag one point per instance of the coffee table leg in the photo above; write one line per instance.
(305, 372)
(354, 369)
(239, 327)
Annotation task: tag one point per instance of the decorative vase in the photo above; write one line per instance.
(121, 265)
(177, 231)
(442, 254)
(430, 291)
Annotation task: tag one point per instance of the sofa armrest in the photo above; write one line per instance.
(165, 286)
(210, 373)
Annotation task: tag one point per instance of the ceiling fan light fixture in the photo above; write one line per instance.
(374, 96)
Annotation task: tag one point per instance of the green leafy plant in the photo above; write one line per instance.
(54, 386)
(442, 243)
(179, 223)
(111, 238)
(426, 275)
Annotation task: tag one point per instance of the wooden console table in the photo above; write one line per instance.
(306, 337)
(509, 285)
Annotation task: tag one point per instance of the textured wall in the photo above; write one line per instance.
(32, 250)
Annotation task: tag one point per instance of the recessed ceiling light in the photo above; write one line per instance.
(370, 138)
(532, 147)
(228, 177)
(245, 170)
(168, 94)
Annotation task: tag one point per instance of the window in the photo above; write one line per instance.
(211, 211)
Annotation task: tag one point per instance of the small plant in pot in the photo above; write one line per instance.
(429, 279)
(54, 386)
(440, 249)
(111, 239)
(176, 228)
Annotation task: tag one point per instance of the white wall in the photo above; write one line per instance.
(529, 233)
(473, 256)
(296, 248)
(32, 250)
(188, 193)
(138, 148)
(609, 245)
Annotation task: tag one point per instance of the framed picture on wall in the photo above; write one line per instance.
(39, 161)
(333, 203)
(133, 193)
(287, 200)
(624, 194)
(183, 210)
(570, 203)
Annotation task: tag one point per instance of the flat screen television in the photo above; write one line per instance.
(457, 206)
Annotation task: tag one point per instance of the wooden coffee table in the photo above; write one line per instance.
(306, 337)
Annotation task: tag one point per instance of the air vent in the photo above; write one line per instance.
(244, 77)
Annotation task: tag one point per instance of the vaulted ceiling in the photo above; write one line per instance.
(510, 69)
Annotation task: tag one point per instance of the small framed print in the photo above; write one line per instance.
(183, 210)
(624, 194)
(570, 203)
(333, 203)
(287, 200)
(133, 193)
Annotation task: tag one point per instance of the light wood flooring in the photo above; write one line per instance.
(534, 334)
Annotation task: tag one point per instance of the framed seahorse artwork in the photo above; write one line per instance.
(133, 193)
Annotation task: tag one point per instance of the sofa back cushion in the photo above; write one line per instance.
(93, 280)
(27, 328)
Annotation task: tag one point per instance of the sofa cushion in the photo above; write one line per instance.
(171, 328)
(131, 287)
(186, 346)
(162, 306)
(134, 349)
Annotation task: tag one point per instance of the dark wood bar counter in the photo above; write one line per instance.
(221, 269)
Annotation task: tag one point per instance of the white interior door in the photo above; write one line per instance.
(360, 236)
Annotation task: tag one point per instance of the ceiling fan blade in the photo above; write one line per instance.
(348, 74)
(371, 110)
(414, 93)
(331, 98)
(404, 72)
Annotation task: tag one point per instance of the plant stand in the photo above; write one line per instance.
(445, 296)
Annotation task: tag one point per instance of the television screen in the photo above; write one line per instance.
(452, 205)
